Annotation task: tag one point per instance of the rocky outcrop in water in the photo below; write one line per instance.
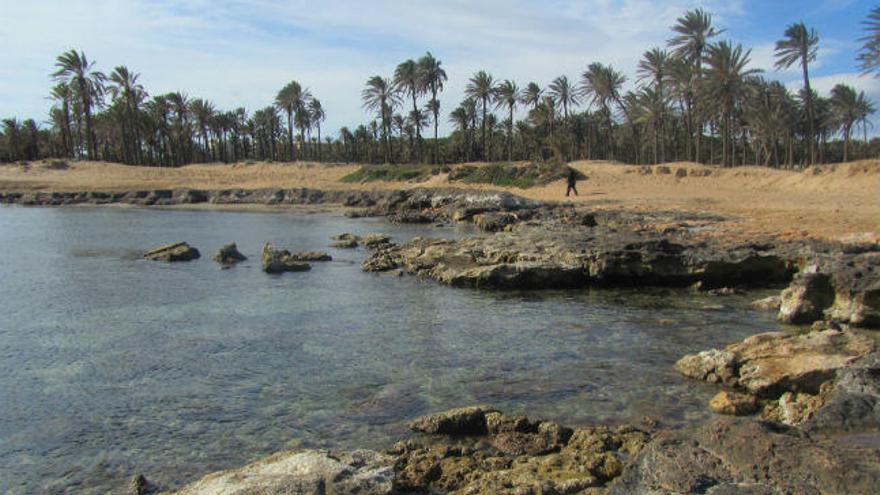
(554, 257)
(178, 251)
(311, 256)
(229, 255)
(277, 261)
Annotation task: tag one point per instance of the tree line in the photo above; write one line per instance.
(695, 99)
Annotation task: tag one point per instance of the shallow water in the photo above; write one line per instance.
(111, 365)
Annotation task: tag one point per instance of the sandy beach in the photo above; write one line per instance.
(830, 201)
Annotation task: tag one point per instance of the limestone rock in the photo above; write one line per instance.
(376, 240)
(806, 299)
(729, 455)
(311, 256)
(771, 303)
(769, 364)
(733, 403)
(345, 241)
(179, 251)
(461, 421)
(310, 472)
(229, 255)
(279, 261)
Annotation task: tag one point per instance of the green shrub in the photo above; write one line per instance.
(389, 173)
(522, 176)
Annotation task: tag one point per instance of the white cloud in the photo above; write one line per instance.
(239, 53)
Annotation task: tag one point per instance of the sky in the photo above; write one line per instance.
(240, 53)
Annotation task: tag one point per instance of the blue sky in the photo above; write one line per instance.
(239, 53)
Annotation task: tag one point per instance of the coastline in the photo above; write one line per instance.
(525, 243)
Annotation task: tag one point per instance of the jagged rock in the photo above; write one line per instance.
(310, 472)
(733, 403)
(381, 261)
(806, 299)
(771, 303)
(494, 221)
(229, 255)
(179, 251)
(729, 455)
(713, 366)
(461, 421)
(853, 404)
(311, 256)
(345, 241)
(769, 364)
(376, 240)
(518, 456)
(139, 485)
(795, 408)
(279, 261)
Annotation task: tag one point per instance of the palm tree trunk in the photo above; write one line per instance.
(809, 97)
(483, 140)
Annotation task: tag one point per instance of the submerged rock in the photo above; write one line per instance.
(179, 251)
(310, 472)
(311, 256)
(345, 241)
(229, 255)
(771, 303)
(733, 403)
(279, 261)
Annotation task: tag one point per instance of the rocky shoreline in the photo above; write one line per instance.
(800, 396)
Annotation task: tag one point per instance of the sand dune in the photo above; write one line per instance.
(824, 201)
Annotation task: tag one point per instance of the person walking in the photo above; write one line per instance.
(572, 182)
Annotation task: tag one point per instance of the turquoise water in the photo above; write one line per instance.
(112, 366)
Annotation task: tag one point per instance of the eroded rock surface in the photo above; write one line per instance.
(179, 251)
(277, 261)
(744, 456)
(311, 472)
(229, 255)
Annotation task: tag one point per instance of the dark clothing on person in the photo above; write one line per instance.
(572, 182)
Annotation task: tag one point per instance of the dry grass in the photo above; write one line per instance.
(827, 201)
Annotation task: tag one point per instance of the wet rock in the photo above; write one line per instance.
(461, 421)
(769, 364)
(310, 472)
(733, 403)
(139, 485)
(311, 256)
(713, 366)
(229, 255)
(728, 455)
(771, 303)
(279, 261)
(345, 241)
(179, 251)
(795, 408)
(854, 402)
(806, 299)
(494, 221)
(382, 260)
(376, 240)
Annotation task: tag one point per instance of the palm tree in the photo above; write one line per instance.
(203, 112)
(800, 45)
(409, 81)
(291, 99)
(869, 56)
(864, 109)
(481, 88)
(507, 95)
(380, 96)
(80, 74)
(124, 87)
(433, 76)
(602, 85)
(532, 95)
(695, 31)
(563, 93)
(725, 84)
(655, 68)
(845, 112)
(317, 114)
(61, 92)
